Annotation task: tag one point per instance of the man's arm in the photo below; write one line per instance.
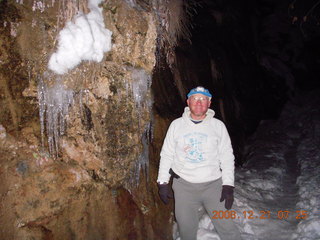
(226, 157)
(166, 156)
(227, 167)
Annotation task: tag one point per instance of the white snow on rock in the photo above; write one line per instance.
(86, 38)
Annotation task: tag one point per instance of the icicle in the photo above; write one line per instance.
(3, 133)
(143, 161)
(42, 109)
(140, 85)
(38, 5)
(140, 90)
(54, 104)
(131, 3)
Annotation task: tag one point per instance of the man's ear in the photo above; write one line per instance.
(209, 103)
(188, 101)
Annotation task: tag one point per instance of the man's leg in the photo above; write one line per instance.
(186, 209)
(224, 225)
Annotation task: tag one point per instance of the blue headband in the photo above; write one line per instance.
(199, 90)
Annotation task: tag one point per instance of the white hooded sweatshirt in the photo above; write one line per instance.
(199, 152)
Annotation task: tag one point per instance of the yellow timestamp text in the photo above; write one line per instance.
(265, 214)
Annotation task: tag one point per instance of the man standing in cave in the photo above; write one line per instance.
(197, 153)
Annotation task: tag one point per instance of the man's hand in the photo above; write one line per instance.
(165, 192)
(227, 195)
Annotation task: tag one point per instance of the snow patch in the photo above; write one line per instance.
(84, 39)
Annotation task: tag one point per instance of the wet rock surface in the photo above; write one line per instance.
(96, 182)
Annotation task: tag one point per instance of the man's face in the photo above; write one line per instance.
(198, 105)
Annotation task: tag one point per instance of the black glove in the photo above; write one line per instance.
(227, 195)
(165, 192)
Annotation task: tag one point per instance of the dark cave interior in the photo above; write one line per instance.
(254, 56)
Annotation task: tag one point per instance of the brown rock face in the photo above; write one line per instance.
(89, 172)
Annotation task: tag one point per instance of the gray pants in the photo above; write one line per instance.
(189, 197)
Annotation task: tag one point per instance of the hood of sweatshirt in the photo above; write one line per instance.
(187, 117)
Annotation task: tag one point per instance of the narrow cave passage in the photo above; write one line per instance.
(254, 57)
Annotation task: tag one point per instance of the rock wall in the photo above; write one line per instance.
(86, 174)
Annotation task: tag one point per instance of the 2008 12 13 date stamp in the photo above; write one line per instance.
(282, 214)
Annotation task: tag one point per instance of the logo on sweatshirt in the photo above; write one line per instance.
(193, 146)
